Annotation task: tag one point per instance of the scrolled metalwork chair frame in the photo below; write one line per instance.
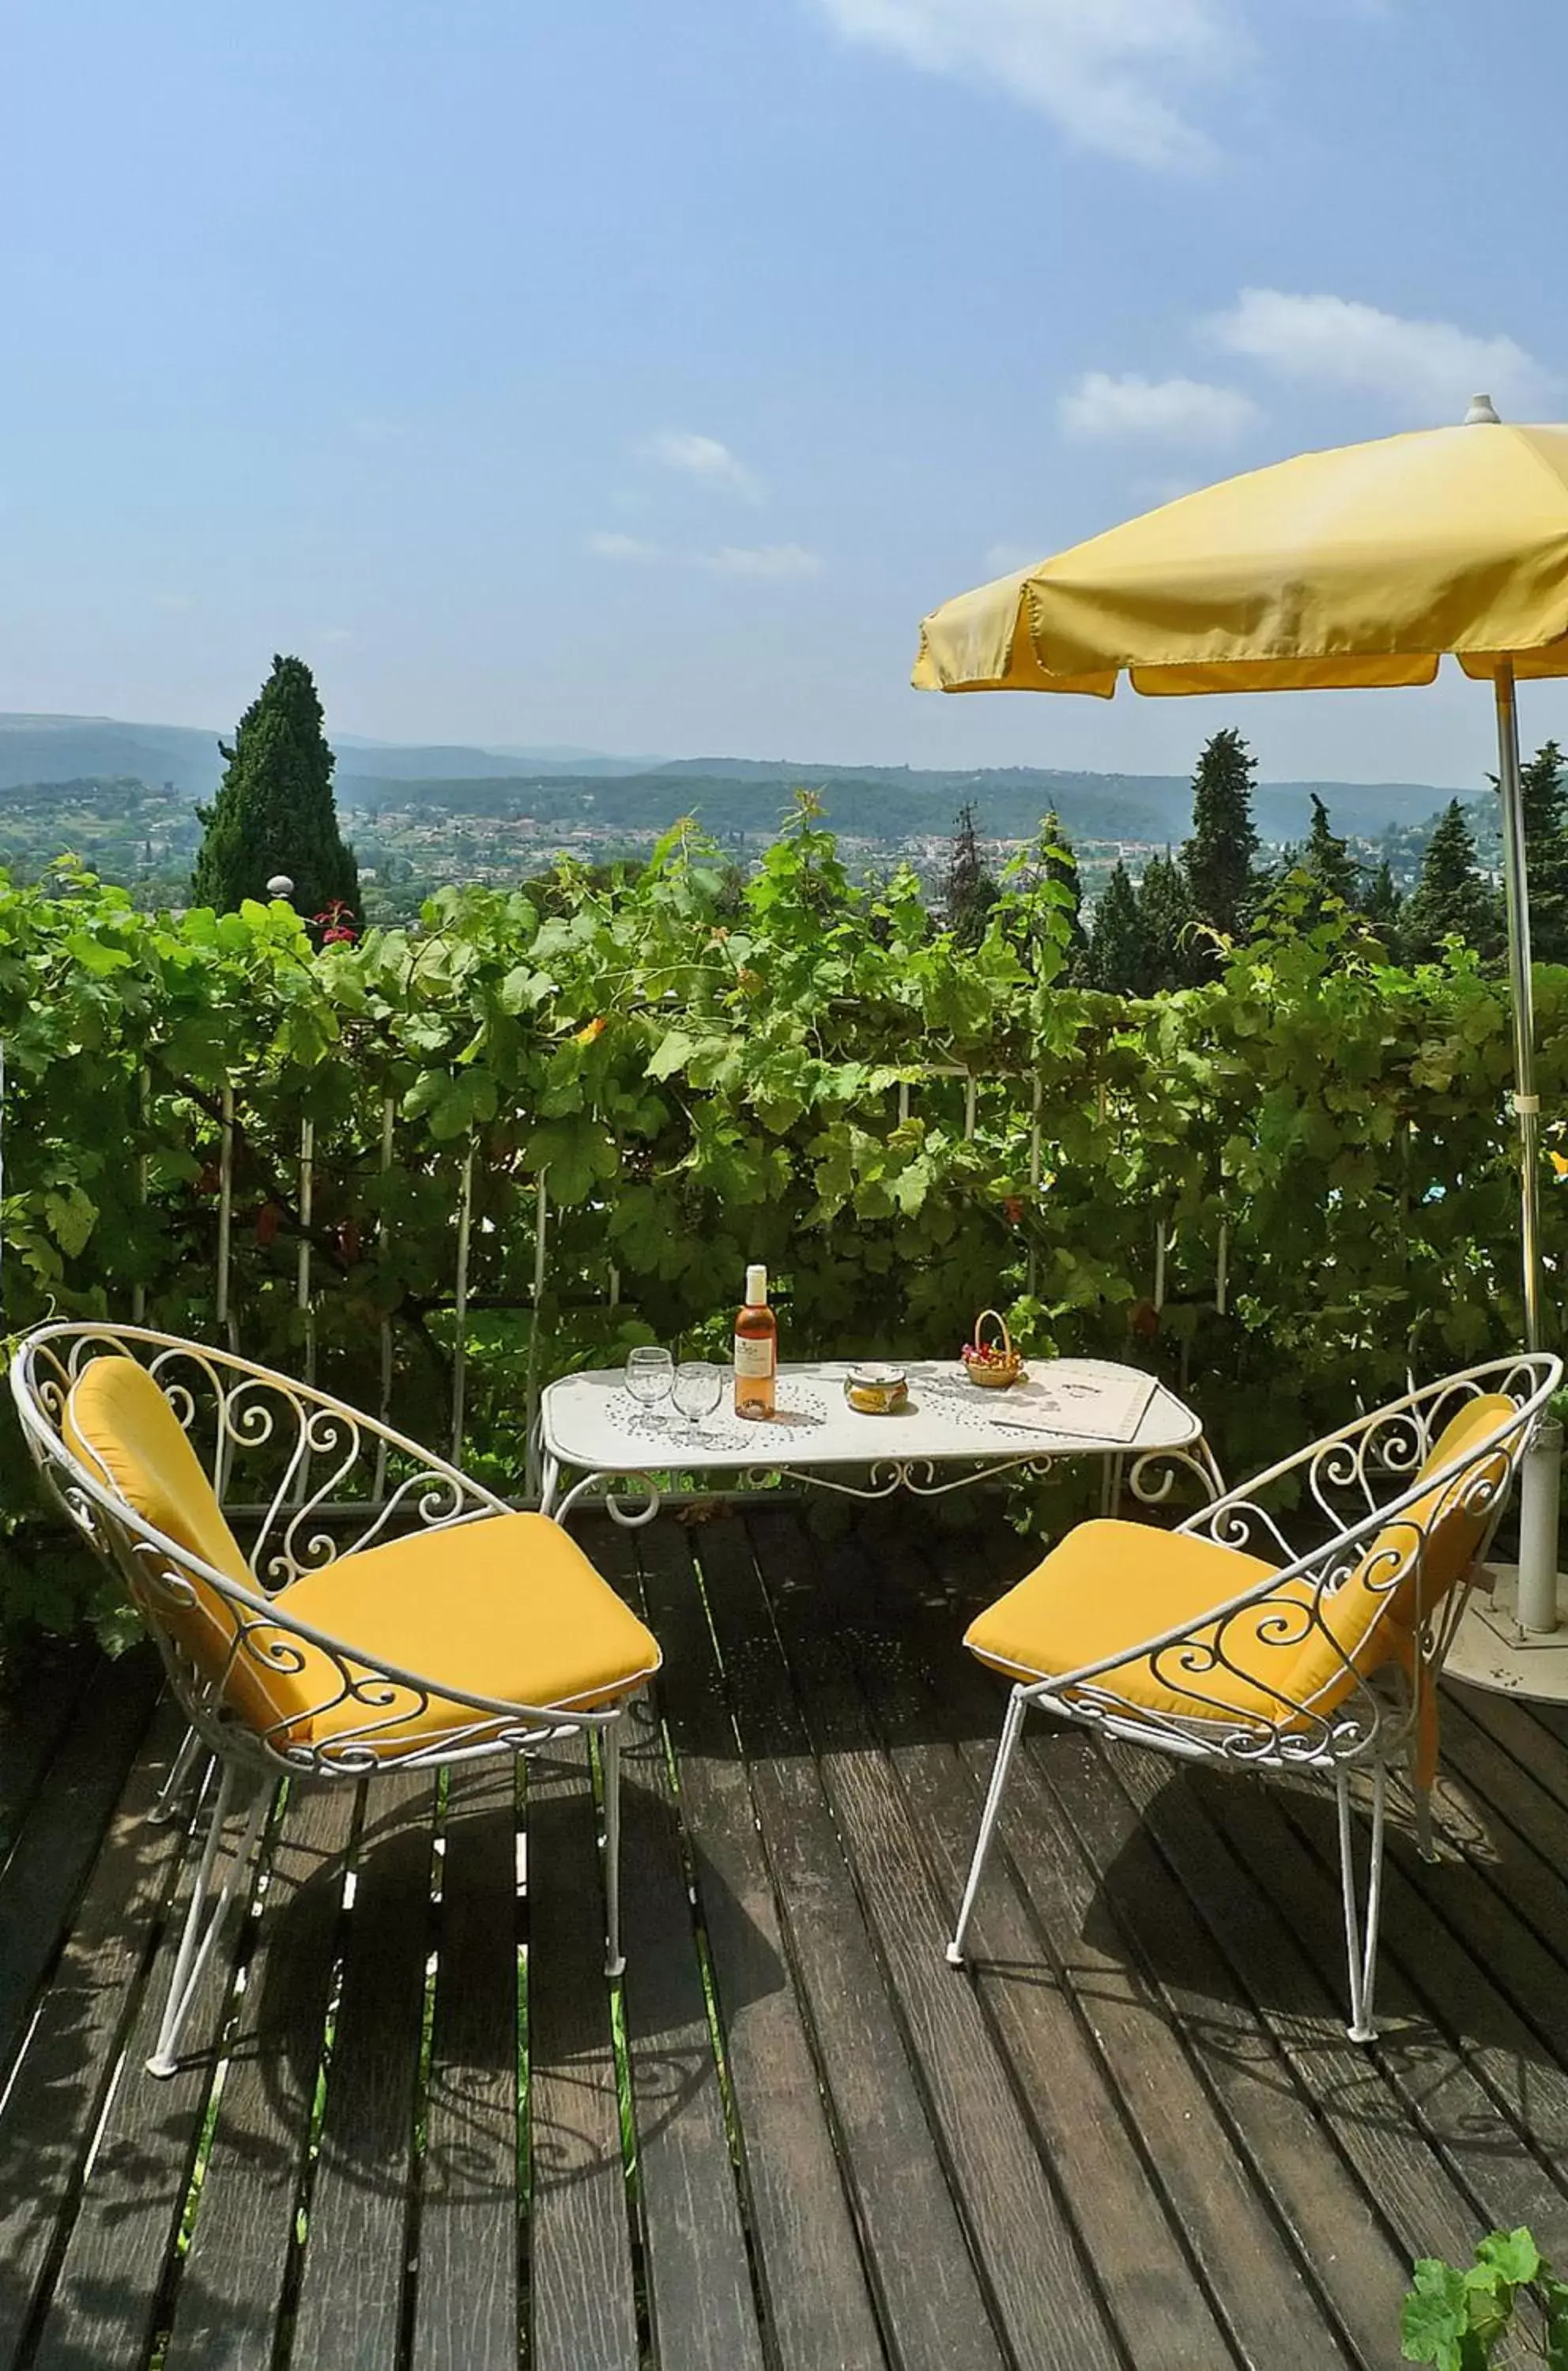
(318, 1445)
(1216, 1686)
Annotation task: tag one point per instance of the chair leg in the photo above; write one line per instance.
(1361, 1945)
(197, 1940)
(180, 1771)
(615, 1959)
(1425, 1839)
(1010, 1729)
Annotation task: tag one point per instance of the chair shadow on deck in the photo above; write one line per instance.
(1263, 1972)
(472, 2087)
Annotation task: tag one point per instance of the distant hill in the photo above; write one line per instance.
(890, 803)
(730, 795)
(359, 759)
(36, 749)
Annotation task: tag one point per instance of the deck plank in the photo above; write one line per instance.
(71, 2050)
(1043, 2293)
(1224, 2150)
(60, 1838)
(110, 2298)
(818, 2306)
(231, 2287)
(351, 2293)
(1470, 2072)
(467, 2304)
(1168, 2219)
(1135, 2134)
(703, 2313)
(1530, 1734)
(40, 1701)
(1511, 1837)
(1137, 1914)
(931, 2299)
(1420, 2203)
(581, 2283)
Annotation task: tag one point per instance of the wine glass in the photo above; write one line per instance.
(650, 1373)
(698, 1388)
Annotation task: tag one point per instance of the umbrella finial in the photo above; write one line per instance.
(1481, 411)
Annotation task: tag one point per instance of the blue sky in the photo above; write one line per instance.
(636, 375)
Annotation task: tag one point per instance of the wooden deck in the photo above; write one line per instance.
(434, 2137)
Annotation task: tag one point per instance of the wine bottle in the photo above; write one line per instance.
(756, 1350)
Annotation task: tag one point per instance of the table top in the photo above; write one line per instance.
(1065, 1407)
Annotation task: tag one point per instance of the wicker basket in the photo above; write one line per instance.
(994, 1364)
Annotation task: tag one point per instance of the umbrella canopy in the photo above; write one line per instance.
(1358, 567)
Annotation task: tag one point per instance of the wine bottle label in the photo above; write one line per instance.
(753, 1360)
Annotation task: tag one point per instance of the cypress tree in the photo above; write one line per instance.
(1169, 954)
(1115, 960)
(1450, 897)
(1543, 787)
(971, 890)
(273, 811)
(1328, 860)
(1219, 858)
(1382, 903)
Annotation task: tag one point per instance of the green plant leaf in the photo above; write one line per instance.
(71, 1216)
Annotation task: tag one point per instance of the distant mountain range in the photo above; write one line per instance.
(730, 795)
(68, 748)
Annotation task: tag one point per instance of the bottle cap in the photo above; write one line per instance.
(756, 1288)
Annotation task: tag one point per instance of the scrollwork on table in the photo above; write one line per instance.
(1153, 1476)
(916, 1475)
(597, 1486)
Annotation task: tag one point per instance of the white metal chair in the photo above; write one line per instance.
(1298, 1622)
(392, 1614)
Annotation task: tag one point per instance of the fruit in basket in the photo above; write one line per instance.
(990, 1359)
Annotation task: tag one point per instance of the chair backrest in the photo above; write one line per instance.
(1417, 1557)
(122, 1431)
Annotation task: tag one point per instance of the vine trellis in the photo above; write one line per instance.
(439, 1166)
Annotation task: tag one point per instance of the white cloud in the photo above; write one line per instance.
(1007, 559)
(775, 561)
(702, 457)
(763, 560)
(1174, 410)
(1113, 73)
(625, 546)
(1426, 371)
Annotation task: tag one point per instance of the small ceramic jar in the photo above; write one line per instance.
(876, 1390)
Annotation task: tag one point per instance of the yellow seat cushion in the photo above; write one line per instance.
(1110, 1585)
(120, 1427)
(506, 1606)
(1293, 1655)
(1392, 1592)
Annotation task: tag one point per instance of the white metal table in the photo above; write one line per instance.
(951, 1434)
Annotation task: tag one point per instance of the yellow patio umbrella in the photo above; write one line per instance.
(1355, 568)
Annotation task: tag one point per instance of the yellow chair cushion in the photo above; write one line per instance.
(506, 1606)
(1372, 1613)
(118, 1425)
(1110, 1585)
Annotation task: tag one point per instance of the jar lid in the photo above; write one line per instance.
(878, 1378)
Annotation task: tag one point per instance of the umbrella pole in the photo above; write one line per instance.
(1540, 1476)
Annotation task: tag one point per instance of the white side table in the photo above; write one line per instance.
(951, 1434)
